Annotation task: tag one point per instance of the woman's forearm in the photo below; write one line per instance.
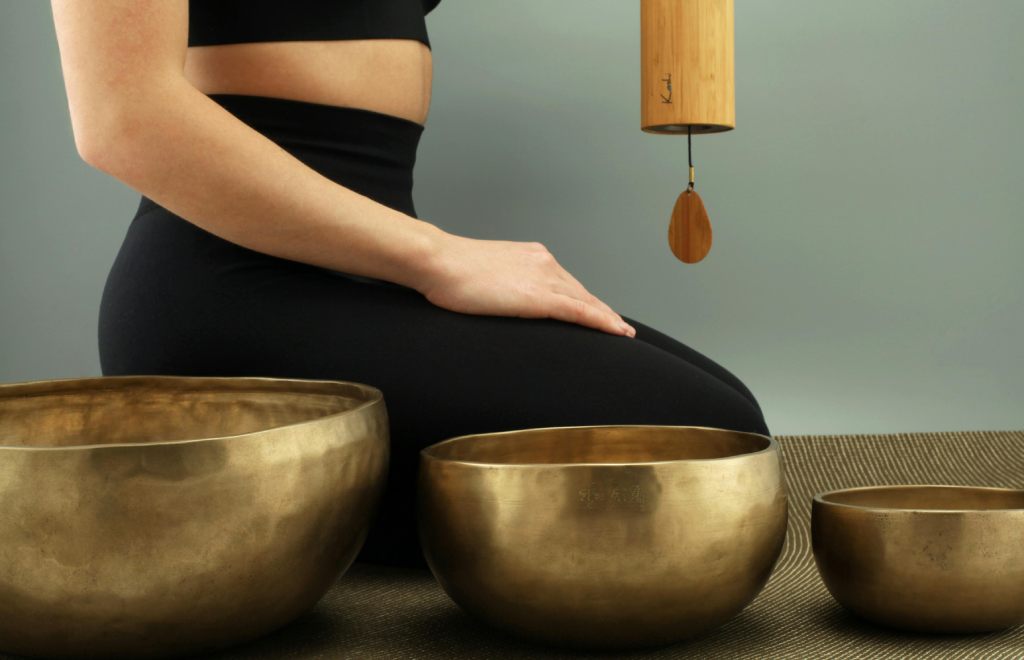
(184, 151)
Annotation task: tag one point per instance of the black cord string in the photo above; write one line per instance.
(689, 154)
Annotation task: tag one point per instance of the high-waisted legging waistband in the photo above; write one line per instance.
(370, 152)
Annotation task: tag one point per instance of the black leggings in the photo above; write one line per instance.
(181, 301)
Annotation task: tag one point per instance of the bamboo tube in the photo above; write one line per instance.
(687, 66)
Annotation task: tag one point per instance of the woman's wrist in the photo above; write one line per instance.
(424, 257)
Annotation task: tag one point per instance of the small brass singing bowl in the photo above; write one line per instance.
(610, 537)
(923, 558)
(154, 516)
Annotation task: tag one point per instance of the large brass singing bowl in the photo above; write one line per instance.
(608, 537)
(151, 516)
(926, 558)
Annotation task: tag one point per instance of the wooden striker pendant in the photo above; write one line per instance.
(689, 232)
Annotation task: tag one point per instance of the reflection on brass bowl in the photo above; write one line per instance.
(610, 537)
(926, 558)
(151, 516)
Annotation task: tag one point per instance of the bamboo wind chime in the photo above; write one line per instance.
(687, 87)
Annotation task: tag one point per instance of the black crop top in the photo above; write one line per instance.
(242, 21)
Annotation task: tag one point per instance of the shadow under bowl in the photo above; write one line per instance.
(611, 536)
(152, 516)
(926, 558)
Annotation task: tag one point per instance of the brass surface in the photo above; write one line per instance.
(624, 536)
(927, 558)
(150, 516)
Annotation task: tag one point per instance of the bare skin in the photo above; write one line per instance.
(139, 112)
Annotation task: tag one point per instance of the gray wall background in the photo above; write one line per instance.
(867, 269)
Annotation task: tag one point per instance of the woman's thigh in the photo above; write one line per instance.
(446, 373)
(441, 372)
(650, 335)
(180, 300)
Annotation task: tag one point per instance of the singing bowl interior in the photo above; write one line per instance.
(614, 536)
(151, 516)
(927, 558)
(570, 446)
(961, 499)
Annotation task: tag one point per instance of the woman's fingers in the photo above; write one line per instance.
(574, 310)
(577, 290)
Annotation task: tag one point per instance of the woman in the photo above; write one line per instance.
(273, 146)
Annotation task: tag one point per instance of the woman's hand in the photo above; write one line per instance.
(512, 278)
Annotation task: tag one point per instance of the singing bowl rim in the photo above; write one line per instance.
(371, 396)
(428, 452)
(820, 498)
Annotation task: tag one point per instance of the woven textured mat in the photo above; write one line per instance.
(390, 612)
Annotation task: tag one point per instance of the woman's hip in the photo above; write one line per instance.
(176, 295)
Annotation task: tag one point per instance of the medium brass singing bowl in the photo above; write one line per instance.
(925, 558)
(610, 537)
(152, 516)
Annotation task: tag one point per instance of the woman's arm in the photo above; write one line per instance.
(136, 117)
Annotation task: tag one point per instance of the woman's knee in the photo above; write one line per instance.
(698, 398)
(628, 382)
(672, 345)
(706, 401)
(745, 416)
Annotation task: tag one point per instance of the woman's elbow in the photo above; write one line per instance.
(90, 149)
(97, 136)
(111, 133)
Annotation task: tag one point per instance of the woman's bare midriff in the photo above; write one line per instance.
(392, 76)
